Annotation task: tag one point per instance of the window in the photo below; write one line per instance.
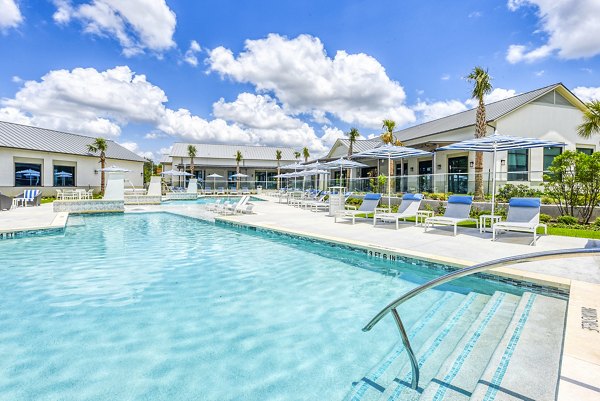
(587, 151)
(549, 154)
(28, 175)
(64, 176)
(518, 164)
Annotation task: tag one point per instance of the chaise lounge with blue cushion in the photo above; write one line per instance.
(368, 205)
(32, 197)
(408, 208)
(523, 216)
(457, 211)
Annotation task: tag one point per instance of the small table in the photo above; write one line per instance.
(485, 218)
(422, 215)
(16, 202)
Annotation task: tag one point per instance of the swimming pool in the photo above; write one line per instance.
(163, 307)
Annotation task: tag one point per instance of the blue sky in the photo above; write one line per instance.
(147, 73)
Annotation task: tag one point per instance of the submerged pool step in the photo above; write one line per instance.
(458, 376)
(436, 349)
(371, 386)
(525, 364)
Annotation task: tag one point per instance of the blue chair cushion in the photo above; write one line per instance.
(372, 197)
(464, 199)
(525, 202)
(412, 197)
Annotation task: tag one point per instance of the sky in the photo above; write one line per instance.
(147, 73)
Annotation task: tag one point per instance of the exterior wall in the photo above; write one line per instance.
(85, 167)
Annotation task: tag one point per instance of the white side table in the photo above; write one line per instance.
(16, 202)
(422, 215)
(485, 218)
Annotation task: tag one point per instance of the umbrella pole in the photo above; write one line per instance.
(494, 182)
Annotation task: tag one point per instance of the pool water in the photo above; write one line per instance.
(163, 307)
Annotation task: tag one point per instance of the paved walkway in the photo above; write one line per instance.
(31, 218)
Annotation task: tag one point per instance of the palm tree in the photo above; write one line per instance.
(481, 86)
(297, 155)
(192, 153)
(238, 159)
(278, 158)
(100, 145)
(387, 137)
(306, 154)
(591, 120)
(353, 135)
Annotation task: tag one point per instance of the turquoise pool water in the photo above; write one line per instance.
(162, 307)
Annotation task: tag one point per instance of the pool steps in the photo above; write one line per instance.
(483, 349)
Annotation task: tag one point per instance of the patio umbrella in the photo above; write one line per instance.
(114, 169)
(214, 177)
(343, 163)
(294, 166)
(495, 143)
(63, 175)
(391, 152)
(237, 177)
(29, 173)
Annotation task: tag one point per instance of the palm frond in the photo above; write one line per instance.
(591, 120)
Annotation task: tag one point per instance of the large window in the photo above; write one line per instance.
(549, 155)
(587, 151)
(28, 175)
(518, 165)
(64, 176)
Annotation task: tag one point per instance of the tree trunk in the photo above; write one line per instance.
(480, 131)
(237, 171)
(102, 182)
(278, 179)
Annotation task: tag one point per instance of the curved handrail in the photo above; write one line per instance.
(511, 260)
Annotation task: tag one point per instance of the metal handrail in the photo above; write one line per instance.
(511, 260)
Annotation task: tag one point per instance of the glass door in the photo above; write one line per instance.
(458, 175)
(425, 177)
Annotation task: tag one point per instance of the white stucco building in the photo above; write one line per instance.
(258, 163)
(38, 158)
(551, 113)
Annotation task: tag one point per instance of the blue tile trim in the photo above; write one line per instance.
(436, 343)
(458, 363)
(365, 382)
(492, 390)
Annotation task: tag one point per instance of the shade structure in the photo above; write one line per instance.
(293, 166)
(497, 142)
(29, 173)
(214, 176)
(114, 169)
(177, 173)
(342, 164)
(239, 175)
(63, 175)
(391, 152)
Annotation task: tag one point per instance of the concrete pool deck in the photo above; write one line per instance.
(580, 366)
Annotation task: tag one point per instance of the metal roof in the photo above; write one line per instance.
(46, 140)
(166, 159)
(463, 119)
(361, 145)
(214, 151)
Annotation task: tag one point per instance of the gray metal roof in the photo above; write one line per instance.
(361, 145)
(166, 159)
(493, 111)
(46, 140)
(215, 151)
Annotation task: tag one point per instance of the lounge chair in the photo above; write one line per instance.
(523, 216)
(312, 197)
(236, 207)
(222, 207)
(248, 208)
(233, 191)
(31, 197)
(457, 211)
(324, 205)
(214, 206)
(408, 208)
(5, 202)
(220, 191)
(245, 191)
(208, 190)
(368, 205)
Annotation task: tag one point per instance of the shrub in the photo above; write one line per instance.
(567, 220)
(516, 191)
(545, 218)
(597, 222)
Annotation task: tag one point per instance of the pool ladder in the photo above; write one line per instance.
(467, 271)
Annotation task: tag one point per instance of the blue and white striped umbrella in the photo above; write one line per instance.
(498, 143)
(391, 152)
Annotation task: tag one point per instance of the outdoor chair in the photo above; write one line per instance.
(208, 190)
(31, 197)
(245, 191)
(457, 211)
(5, 202)
(523, 216)
(220, 191)
(408, 208)
(368, 205)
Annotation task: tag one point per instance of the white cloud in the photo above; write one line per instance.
(353, 87)
(190, 55)
(445, 77)
(435, 110)
(137, 24)
(87, 101)
(587, 94)
(571, 26)
(10, 15)
(496, 95)
(16, 79)
(475, 14)
(134, 147)
(331, 134)
(14, 115)
(539, 73)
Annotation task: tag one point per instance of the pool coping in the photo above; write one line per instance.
(57, 226)
(580, 361)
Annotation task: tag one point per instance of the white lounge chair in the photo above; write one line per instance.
(208, 190)
(523, 216)
(214, 206)
(408, 208)
(457, 211)
(236, 207)
(245, 191)
(220, 191)
(368, 205)
(30, 197)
